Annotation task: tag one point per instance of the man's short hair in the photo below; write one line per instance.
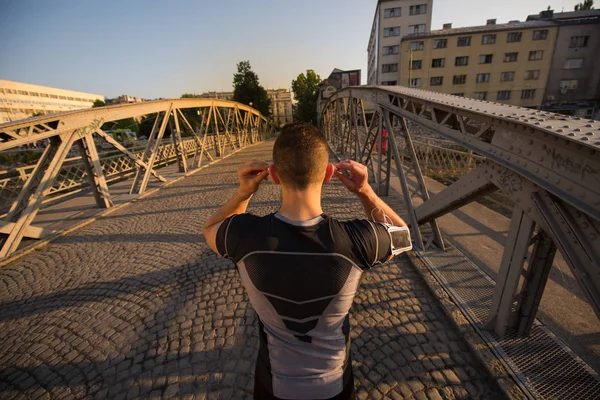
(300, 155)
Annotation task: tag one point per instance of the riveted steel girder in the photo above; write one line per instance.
(547, 164)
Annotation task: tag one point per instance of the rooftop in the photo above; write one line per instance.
(550, 15)
(483, 28)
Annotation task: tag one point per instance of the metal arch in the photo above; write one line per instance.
(547, 164)
(63, 130)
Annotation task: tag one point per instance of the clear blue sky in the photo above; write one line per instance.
(165, 48)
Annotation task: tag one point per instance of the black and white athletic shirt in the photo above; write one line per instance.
(301, 278)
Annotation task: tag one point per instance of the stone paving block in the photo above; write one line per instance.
(136, 305)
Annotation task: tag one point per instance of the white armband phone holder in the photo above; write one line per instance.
(400, 236)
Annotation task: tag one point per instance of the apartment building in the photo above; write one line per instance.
(573, 85)
(394, 19)
(505, 63)
(336, 80)
(22, 100)
(281, 106)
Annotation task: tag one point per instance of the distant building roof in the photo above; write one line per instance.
(482, 29)
(567, 18)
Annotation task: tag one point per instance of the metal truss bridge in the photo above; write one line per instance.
(546, 165)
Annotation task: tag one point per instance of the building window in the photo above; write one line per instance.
(511, 57)
(416, 10)
(536, 55)
(391, 12)
(389, 83)
(568, 84)
(579, 41)
(436, 81)
(513, 37)
(463, 41)
(488, 39)
(416, 64)
(507, 76)
(394, 31)
(482, 78)
(573, 63)
(459, 79)
(532, 75)
(23, 92)
(480, 95)
(540, 35)
(528, 94)
(391, 50)
(461, 61)
(486, 58)
(504, 95)
(415, 82)
(438, 63)
(458, 94)
(440, 43)
(412, 29)
(389, 68)
(414, 46)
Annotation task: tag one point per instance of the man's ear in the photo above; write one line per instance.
(329, 173)
(274, 176)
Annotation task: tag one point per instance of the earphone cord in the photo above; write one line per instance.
(385, 217)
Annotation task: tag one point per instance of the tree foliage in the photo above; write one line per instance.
(247, 89)
(586, 5)
(306, 92)
(191, 96)
(98, 103)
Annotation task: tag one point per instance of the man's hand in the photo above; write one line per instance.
(356, 178)
(251, 174)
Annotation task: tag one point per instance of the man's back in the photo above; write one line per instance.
(301, 278)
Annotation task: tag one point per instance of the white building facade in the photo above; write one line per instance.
(281, 106)
(394, 19)
(22, 100)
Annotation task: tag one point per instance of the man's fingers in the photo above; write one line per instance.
(343, 178)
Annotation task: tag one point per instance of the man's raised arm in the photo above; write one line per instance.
(357, 182)
(251, 174)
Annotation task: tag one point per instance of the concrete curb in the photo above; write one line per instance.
(102, 213)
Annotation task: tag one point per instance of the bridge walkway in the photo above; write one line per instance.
(136, 305)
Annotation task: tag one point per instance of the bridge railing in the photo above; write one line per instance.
(212, 124)
(73, 175)
(546, 165)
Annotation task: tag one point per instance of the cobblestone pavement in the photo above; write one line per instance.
(136, 305)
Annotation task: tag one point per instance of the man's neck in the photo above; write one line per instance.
(301, 205)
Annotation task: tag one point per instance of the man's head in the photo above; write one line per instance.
(300, 157)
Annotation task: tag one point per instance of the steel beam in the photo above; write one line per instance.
(503, 307)
(467, 189)
(412, 217)
(91, 162)
(140, 183)
(30, 198)
(538, 270)
(178, 143)
(141, 164)
(578, 238)
(437, 236)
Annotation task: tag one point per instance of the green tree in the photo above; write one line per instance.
(306, 92)
(586, 5)
(247, 89)
(191, 96)
(98, 103)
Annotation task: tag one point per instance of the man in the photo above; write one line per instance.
(301, 268)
